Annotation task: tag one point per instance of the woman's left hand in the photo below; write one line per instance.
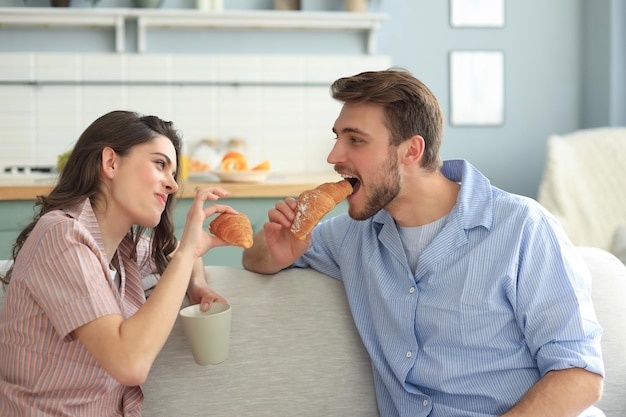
(205, 297)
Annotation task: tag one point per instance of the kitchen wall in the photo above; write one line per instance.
(279, 105)
(555, 77)
(557, 62)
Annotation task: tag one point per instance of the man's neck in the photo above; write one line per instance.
(423, 199)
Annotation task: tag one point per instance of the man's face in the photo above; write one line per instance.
(362, 152)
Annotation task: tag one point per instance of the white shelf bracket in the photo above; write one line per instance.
(120, 34)
(141, 34)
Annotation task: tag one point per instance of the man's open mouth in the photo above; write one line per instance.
(355, 182)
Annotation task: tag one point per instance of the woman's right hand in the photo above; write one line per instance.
(195, 236)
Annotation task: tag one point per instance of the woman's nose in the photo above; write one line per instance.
(171, 185)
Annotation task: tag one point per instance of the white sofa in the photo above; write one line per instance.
(295, 351)
(584, 186)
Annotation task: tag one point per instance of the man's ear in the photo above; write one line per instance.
(413, 150)
(109, 162)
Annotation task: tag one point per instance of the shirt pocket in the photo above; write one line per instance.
(487, 316)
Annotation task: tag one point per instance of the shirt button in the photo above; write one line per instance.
(409, 354)
(425, 403)
(411, 290)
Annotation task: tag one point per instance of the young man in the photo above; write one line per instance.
(470, 301)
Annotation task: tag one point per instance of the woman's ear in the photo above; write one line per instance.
(413, 150)
(109, 162)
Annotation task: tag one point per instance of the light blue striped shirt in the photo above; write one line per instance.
(499, 298)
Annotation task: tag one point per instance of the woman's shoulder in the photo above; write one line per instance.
(60, 226)
(55, 235)
(55, 218)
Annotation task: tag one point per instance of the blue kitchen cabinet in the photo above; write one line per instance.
(15, 215)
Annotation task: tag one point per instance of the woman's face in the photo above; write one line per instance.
(142, 182)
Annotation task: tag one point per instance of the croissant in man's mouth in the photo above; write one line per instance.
(314, 204)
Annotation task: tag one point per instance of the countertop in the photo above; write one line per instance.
(275, 186)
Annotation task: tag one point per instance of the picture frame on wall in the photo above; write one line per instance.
(476, 88)
(477, 13)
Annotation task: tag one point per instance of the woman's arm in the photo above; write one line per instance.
(199, 291)
(126, 348)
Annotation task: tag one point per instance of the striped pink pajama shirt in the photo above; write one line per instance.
(60, 282)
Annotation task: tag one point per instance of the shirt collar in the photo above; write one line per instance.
(83, 212)
(474, 203)
(474, 206)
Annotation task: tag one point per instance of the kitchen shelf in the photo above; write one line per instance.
(116, 19)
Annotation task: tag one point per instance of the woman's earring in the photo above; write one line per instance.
(111, 174)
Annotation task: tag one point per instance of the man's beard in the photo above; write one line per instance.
(382, 193)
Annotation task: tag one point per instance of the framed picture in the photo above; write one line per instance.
(477, 13)
(476, 88)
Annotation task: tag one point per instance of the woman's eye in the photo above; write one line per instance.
(161, 163)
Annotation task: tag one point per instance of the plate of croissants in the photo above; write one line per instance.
(235, 168)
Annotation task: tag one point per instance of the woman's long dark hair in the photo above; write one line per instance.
(81, 177)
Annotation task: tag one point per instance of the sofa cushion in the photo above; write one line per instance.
(294, 352)
(618, 247)
(583, 183)
(608, 291)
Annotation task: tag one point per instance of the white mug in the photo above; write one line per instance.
(207, 332)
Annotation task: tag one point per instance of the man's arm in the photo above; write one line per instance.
(563, 393)
(259, 258)
(275, 247)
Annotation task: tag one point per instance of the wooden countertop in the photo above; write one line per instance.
(277, 186)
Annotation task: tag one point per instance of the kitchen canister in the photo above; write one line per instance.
(210, 5)
(287, 4)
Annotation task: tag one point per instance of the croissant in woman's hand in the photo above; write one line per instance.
(233, 228)
(314, 204)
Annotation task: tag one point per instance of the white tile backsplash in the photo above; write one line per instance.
(18, 67)
(97, 100)
(151, 100)
(326, 69)
(284, 69)
(98, 67)
(195, 68)
(57, 67)
(239, 69)
(55, 120)
(280, 104)
(144, 68)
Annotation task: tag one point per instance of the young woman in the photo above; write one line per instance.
(77, 335)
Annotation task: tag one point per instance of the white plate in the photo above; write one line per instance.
(242, 176)
(202, 177)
